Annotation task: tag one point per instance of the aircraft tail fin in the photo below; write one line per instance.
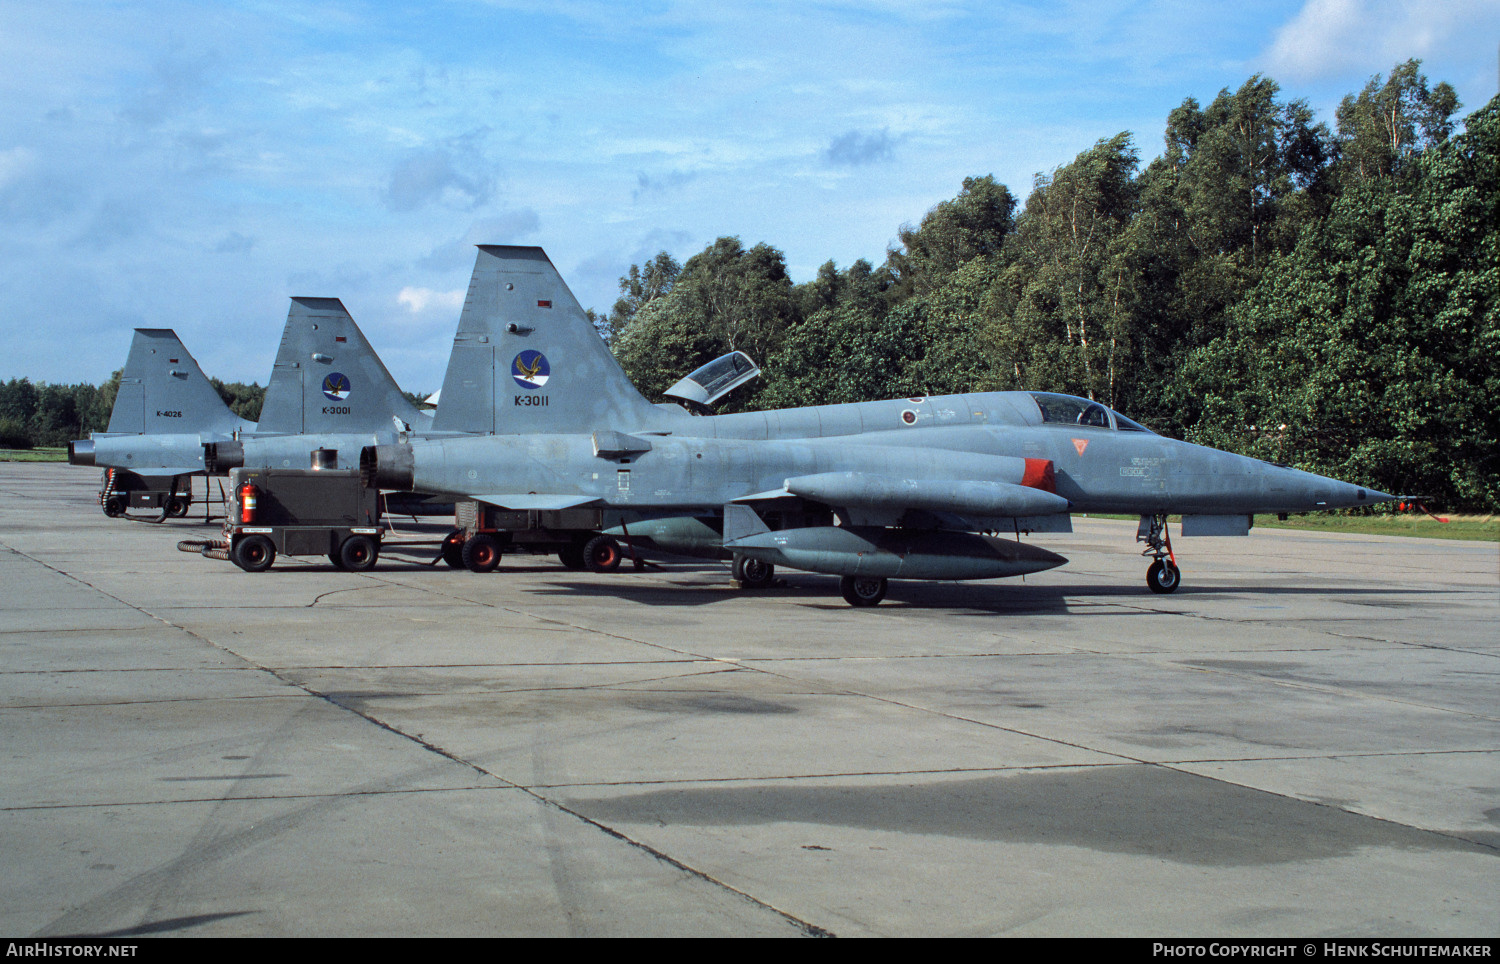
(162, 390)
(327, 378)
(526, 359)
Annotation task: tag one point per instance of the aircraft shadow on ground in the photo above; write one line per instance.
(1017, 598)
(710, 584)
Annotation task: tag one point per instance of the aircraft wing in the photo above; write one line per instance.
(521, 501)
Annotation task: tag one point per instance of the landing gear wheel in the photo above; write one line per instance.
(481, 553)
(1163, 577)
(253, 553)
(453, 549)
(602, 554)
(572, 556)
(752, 573)
(863, 590)
(177, 508)
(359, 553)
(114, 507)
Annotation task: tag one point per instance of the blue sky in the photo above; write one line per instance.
(192, 165)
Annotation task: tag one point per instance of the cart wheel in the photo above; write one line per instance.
(602, 554)
(453, 549)
(359, 553)
(338, 563)
(253, 553)
(177, 508)
(114, 507)
(572, 556)
(481, 553)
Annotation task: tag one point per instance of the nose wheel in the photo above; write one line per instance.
(1162, 576)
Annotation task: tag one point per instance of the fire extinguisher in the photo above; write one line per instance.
(248, 496)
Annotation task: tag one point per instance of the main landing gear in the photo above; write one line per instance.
(1163, 576)
(752, 573)
(863, 590)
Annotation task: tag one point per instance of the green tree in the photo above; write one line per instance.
(726, 298)
(845, 354)
(642, 284)
(1388, 124)
(243, 400)
(1074, 299)
(1369, 352)
(972, 225)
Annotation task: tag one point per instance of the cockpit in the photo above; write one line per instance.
(1072, 410)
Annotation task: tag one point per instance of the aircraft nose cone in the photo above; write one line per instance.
(1346, 495)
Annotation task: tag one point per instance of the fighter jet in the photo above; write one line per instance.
(938, 487)
(328, 391)
(165, 411)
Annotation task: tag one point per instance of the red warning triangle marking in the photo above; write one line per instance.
(1080, 444)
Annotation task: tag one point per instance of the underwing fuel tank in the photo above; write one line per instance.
(981, 498)
(896, 553)
(680, 535)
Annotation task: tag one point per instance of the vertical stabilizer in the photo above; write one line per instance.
(163, 391)
(327, 378)
(526, 358)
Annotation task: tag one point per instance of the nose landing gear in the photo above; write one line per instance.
(1162, 576)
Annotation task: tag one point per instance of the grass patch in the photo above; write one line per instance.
(34, 455)
(1480, 527)
(1484, 528)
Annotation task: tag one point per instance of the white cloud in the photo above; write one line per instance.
(1329, 38)
(419, 300)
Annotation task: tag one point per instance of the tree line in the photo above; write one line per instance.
(41, 415)
(1328, 298)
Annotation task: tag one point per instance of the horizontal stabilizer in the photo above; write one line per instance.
(613, 445)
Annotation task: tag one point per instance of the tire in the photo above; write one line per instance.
(1163, 577)
(177, 508)
(481, 553)
(572, 556)
(359, 553)
(114, 507)
(753, 573)
(253, 553)
(453, 549)
(602, 554)
(863, 590)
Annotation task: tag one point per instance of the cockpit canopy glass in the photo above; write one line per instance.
(1072, 410)
(719, 374)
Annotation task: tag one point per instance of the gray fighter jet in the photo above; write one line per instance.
(165, 411)
(937, 487)
(328, 391)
